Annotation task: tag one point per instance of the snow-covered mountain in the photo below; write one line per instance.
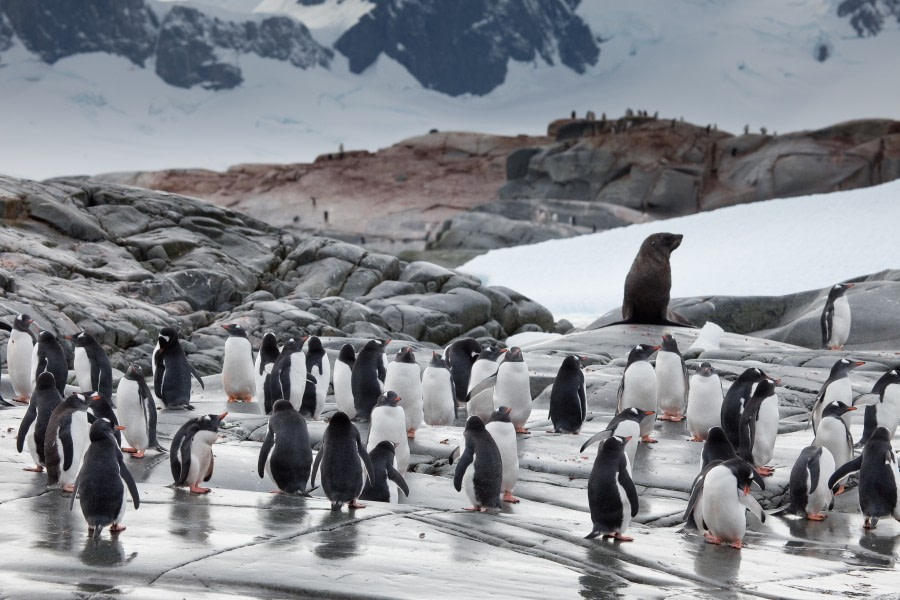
(102, 85)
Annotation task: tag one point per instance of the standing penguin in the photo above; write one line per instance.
(649, 281)
(66, 441)
(879, 479)
(612, 496)
(438, 393)
(388, 422)
(483, 482)
(286, 454)
(405, 377)
(367, 378)
(460, 356)
(238, 374)
(343, 386)
(19, 351)
(384, 469)
(672, 385)
(485, 365)
(48, 355)
(288, 377)
(318, 365)
(137, 413)
(44, 400)
(834, 434)
(172, 372)
(638, 387)
(102, 482)
(724, 495)
(758, 427)
(310, 403)
(568, 397)
(835, 318)
(626, 424)
(704, 402)
(511, 387)
(504, 433)
(267, 355)
(835, 389)
(101, 408)
(191, 457)
(808, 486)
(717, 447)
(885, 410)
(92, 369)
(342, 458)
(733, 403)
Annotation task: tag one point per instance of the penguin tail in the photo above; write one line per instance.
(593, 534)
(336, 506)
(97, 530)
(159, 448)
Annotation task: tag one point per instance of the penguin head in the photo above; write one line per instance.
(501, 415)
(291, 346)
(282, 405)
(102, 429)
(742, 472)
(766, 387)
(661, 244)
(81, 339)
(347, 353)
(23, 322)
(338, 418)
(614, 444)
(491, 353)
(269, 341)
(837, 409)
(314, 345)
(235, 330)
(751, 375)
(669, 344)
(513, 355)
(77, 401)
(573, 362)
(641, 352)
(45, 381)
(881, 434)
(97, 398)
(388, 399)
(705, 370)
(385, 446)
(210, 422)
(635, 414)
(474, 423)
(167, 336)
(134, 372)
(46, 337)
(375, 345)
(838, 289)
(438, 362)
(405, 355)
(844, 366)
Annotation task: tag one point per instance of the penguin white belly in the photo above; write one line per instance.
(201, 456)
(832, 435)
(438, 401)
(389, 423)
(896, 471)
(406, 380)
(513, 389)
(820, 498)
(640, 391)
(839, 390)
(889, 411)
(32, 447)
(238, 376)
(722, 510)
(766, 431)
(504, 435)
(260, 379)
(343, 391)
(481, 370)
(80, 439)
(468, 484)
(626, 508)
(393, 493)
(840, 323)
(323, 378)
(297, 373)
(670, 391)
(626, 429)
(82, 365)
(131, 415)
(122, 506)
(19, 352)
(704, 405)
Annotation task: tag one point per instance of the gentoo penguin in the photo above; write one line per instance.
(724, 495)
(288, 377)
(367, 378)
(483, 482)
(191, 457)
(835, 318)
(834, 434)
(19, 349)
(172, 372)
(388, 422)
(439, 394)
(137, 413)
(733, 403)
(704, 409)
(836, 388)
(102, 408)
(809, 492)
(384, 471)
(66, 441)
(612, 496)
(286, 454)
(102, 482)
(48, 355)
(504, 433)
(318, 365)
(649, 282)
(342, 458)
(884, 408)
(485, 365)
(717, 447)
(672, 385)
(511, 387)
(268, 353)
(879, 479)
(758, 427)
(626, 424)
(460, 356)
(638, 386)
(568, 398)
(238, 374)
(44, 399)
(405, 377)
(343, 387)
(92, 369)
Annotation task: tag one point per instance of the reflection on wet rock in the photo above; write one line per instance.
(105, 552)
(339, 540)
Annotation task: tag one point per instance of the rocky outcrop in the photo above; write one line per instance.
(868, 17)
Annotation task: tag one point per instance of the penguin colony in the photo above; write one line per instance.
(77, 438)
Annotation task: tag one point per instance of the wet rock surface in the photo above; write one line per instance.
(240, 540)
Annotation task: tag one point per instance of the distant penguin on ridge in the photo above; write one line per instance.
(568, 397)
(835, 319)
(836, 388)
(238, 373)
(883, 406)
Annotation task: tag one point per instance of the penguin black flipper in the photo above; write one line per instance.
(599, 436)
(465, 460)
(619, 393)
(845, 469)
(364, 455)
(149, 414)
(696, 488)
(453, 395)
(197, 377)
(129, 481)
(395, 476)
(485, 384)
(158, 373)
(628, 485)
(267, 445)
(65, 437)
(812, 464)
(212, 463)
(27, 420)
(5, 326)
(382, 370)
(315, 469)
(870, 422)
(582, 400)
(826, 322)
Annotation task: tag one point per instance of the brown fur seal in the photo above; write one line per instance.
(649, 281)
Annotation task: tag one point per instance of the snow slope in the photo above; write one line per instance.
(709, 61)
(765, 248)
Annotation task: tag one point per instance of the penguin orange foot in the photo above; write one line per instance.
(199, 490)
(620, 537)
(138, 454)
(116, 528)
(411, 433)
(34, 469)
(816, 517)
(129, 450)
(736, 544)
(711, 539)
(355, 504)
(648, 440)
(508, 497)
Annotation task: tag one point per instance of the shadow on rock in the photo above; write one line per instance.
(339, 541)
(188, 519)
(606, 585)
(105, 553)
